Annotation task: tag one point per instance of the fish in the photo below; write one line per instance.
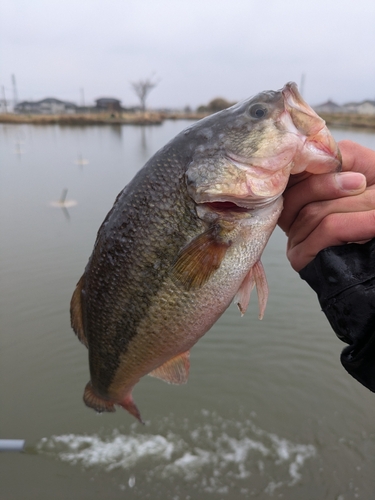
(184, 240)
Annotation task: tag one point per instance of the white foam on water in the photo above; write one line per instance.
(117, 451)
(217, 454)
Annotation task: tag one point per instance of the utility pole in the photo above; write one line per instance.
(302, 85)
(15, 96)
(82, 97)
(4, 100)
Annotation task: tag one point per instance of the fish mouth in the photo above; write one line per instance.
(239, 207)
(319, 145)
(226, 206)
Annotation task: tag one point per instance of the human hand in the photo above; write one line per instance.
(330, 209)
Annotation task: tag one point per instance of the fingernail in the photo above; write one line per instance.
(350, 181)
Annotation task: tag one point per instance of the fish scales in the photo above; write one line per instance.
(166, 225)
(185, 237)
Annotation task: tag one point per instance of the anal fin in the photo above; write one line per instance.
(175, 370)
(129, 405)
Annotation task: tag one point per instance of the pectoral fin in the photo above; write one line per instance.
(256, 276)
(197, 261)
(175, 370)
(76, 312)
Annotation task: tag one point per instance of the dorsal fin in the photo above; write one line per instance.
(76, 312)
(175, 370)
(197, 261)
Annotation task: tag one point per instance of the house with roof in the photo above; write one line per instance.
(328, 107)
(108, 104)
(48, 106)
(366, 107)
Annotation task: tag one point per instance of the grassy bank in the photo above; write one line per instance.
(149, 118)
(156, 118)
(349, 120)
(85, 119)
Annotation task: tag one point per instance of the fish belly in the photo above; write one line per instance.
(178, 317)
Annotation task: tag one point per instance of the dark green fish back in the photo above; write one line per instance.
(151, 220)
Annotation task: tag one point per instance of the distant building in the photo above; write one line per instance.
(48, 106)
(328, 107)
(366, 107)
(108, 104)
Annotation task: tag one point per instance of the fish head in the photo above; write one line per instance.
(249, 150)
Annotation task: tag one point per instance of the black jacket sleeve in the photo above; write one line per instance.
(344, 279)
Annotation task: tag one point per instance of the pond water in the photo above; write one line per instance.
(268, 411)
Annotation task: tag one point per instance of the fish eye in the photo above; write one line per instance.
(258, 111)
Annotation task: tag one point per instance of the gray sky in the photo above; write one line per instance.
(198, 49)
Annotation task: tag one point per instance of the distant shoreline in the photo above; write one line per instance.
(342, 120)
(349, 120)
(148, 118)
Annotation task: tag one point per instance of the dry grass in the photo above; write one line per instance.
(349, 120)
(85, 119)
(154, 118)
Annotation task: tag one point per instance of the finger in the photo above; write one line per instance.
(358, 158)
(296, 178)
(312, 214)
(335, 229)
(318, 188)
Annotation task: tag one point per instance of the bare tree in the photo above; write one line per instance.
(142, 88)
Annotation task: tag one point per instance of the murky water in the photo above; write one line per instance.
(268, 411)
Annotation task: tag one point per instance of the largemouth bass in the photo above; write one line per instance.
(185, 238)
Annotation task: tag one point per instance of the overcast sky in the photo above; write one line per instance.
(197, 49)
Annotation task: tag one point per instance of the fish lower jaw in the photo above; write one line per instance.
(316, 149)
(317, 159)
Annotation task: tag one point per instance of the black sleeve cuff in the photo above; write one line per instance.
(344, 279)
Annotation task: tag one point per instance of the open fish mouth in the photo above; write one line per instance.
(226, 206)
(319, 146)
(239, 207)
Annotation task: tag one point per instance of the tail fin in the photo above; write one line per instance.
(100, 404)
(97, 403)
